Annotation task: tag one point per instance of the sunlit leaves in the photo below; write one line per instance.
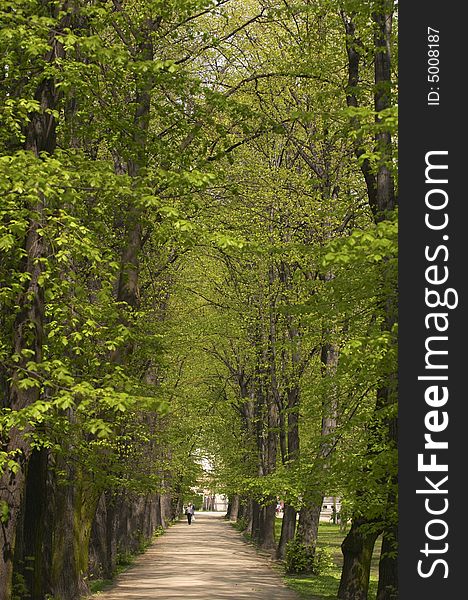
(376, 244)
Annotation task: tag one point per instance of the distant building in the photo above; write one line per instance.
(211, 500)
(215, 502)
(330, 505)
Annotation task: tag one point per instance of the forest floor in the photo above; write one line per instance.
(207, 560)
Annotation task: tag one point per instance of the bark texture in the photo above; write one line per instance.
(357, 549)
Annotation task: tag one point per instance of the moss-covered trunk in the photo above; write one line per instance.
(309, 518)
(388, 566)
(74, 506)
(357, 549)
(32, 550)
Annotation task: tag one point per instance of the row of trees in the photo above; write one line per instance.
(296, 336)
(197, 257)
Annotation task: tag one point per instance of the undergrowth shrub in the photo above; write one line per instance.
(240, 524)
(307, 559)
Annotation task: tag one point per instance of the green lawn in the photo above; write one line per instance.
(325, 587)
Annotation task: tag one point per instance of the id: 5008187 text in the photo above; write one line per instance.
(433, 77)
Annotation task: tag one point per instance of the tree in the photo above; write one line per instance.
(197, 245)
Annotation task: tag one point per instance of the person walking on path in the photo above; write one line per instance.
(190, 512)
(209, 562)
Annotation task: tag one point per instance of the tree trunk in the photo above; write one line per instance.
(234, 508)
(33, 548)
(103, 543)
(12, 489)
(267, 536)
(110, 558)
(288, 526)
(119, 519)
(357, 546)
(242, 508)
(309, 515)
(388, 566)
(357, 549)
(288, 530)
(309, 519)
(25, 337)
(246, 513)
(165, 510)
(28, 329)
(382, 17)
(257, 518)
(74, 507)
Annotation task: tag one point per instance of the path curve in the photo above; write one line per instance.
(207, 560)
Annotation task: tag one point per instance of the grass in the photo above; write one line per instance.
(99, 585)
(325, 587)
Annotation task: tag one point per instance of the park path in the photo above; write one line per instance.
(207, 560)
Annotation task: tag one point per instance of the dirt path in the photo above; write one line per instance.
(207, 560)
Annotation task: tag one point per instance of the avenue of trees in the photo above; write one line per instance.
(198, 240)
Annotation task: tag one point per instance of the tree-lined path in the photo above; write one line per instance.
(198, 294)
(207, 560)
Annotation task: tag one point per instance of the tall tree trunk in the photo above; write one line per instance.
(382, 17)
(267, 537)
(309, 515)
(309, 518)
(388, 566)
(289, 521)
(28, 329)
(288, 529)
(357, 549)
(25, 337)
(128, 288)
(233, 508)
(33, 548)
(74, 507)
(293, 394)
(357, 545)
(257, 518)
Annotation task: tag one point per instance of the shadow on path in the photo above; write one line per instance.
(206, 560)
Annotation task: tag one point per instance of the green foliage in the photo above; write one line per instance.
(323, 561)
(307, 559)
(200, 235)
(325, 586)
(241, 524)
(376, 244)
(4, 511)
(299, 557)
(196, 500)
(20, 589)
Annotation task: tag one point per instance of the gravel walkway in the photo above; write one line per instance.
(207, 560)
